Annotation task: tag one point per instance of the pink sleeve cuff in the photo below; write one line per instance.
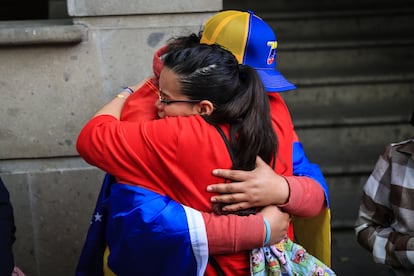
(229, 234)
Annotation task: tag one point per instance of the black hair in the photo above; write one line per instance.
(181, 42)
(209, 72)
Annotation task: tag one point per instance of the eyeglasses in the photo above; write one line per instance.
(167, 102)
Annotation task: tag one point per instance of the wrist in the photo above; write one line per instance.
(284, 192)
(123, 95)
(128, 89)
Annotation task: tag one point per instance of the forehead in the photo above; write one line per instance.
(169, 82)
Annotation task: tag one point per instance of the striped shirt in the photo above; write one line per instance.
(385, 224)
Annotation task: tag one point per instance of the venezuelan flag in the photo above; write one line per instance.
(140, 227)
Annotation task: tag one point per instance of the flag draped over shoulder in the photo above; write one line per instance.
(146, 234)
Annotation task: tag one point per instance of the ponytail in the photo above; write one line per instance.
(253, 134)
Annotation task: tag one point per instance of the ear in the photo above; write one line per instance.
(205, 107)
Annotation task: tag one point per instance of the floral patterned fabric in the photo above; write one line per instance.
(286, 258)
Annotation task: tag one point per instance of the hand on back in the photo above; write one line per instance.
(257, 188)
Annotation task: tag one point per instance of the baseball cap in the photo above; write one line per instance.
(251, 40)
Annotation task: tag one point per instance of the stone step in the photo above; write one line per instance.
(373, 102)
(283, 6)
(349, 258)
(304, 20)
(345, 196)
(350, 149)
(346, 156)
(325, 25)
(362, 57)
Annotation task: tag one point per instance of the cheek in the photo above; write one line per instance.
(174, 110)
(170, 111)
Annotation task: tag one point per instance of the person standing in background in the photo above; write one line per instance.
(7, 234)
(385, 223)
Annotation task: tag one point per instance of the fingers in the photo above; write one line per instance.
(232, 202)
(234, 175)
(229, 198)
(236, 207)
(225, 188)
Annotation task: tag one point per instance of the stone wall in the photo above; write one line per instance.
(55, 74)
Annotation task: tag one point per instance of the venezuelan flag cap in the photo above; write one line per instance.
(251, 40)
